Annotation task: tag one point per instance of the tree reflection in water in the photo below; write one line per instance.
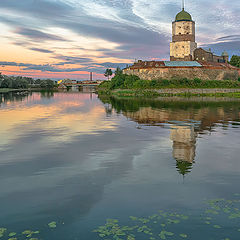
(187, 117)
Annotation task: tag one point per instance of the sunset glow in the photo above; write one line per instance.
(68, 39)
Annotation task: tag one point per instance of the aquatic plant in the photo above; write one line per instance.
(52, 224)
(169, 225)
(164, 225)
(26, 234)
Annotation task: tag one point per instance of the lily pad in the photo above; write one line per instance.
(183, 235)
(2, 231)
(52, 224)
(12, 234)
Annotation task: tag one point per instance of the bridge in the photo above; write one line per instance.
(79, 84)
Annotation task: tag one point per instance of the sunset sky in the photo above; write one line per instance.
(69, 38)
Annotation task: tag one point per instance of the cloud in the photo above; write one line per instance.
(4, 63)
(113, 65)
(37, 35)
(138, 29)
(232, 47)
(52, 68)
(93, 67)
(43, 8)
(73, 60)
(41, 50)
(230, 37)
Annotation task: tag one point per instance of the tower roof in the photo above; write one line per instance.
(225, 54)
(183, 16)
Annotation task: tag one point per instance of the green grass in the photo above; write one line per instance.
(6, 90)
(153, 93)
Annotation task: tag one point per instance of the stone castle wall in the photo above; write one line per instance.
(183, 72)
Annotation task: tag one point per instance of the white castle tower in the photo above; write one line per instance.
(183, 37)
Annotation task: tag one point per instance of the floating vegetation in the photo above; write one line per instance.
(2, 231)
(24, 235)
(12, 234)
(143, 226)
(183, 235)
(218, 214)
(52, 224)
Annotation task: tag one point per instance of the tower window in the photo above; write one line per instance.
(179, 33)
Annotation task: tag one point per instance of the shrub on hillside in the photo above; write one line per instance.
(122, 81)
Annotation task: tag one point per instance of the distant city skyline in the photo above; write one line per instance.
(70, 38)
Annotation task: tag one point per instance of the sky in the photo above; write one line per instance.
(69, 38)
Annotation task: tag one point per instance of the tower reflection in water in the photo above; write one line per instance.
(184, 147)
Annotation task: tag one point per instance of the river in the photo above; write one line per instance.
(71, 160)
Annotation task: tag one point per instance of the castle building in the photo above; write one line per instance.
(186, 59)
(184, 47)
(183, 42)
(203, 55)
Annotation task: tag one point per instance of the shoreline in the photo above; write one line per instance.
(169, 92)
(11, 90)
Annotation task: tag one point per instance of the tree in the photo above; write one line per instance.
(19, 82)
(43, 84)
(1, 78)
(235, 61)
(38, 81)
(118, 71)
(108, 73)
(6, 83)
(49, 83)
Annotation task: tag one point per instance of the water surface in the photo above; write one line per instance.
(77, 159)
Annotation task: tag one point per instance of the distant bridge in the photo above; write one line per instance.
(94, 84)
(80, 84)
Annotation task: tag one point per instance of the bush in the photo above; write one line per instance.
(122, 81)
(235, 61)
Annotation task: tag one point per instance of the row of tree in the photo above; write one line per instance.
(235, 61)
(24, 82)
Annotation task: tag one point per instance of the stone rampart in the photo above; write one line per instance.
(203, 73)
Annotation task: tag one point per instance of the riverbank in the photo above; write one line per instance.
(11, 90)
(131, 85)
(8, 90)
(204, 92)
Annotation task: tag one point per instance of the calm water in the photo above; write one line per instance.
(78, 160)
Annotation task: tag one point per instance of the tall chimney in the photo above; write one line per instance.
(91, 76)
